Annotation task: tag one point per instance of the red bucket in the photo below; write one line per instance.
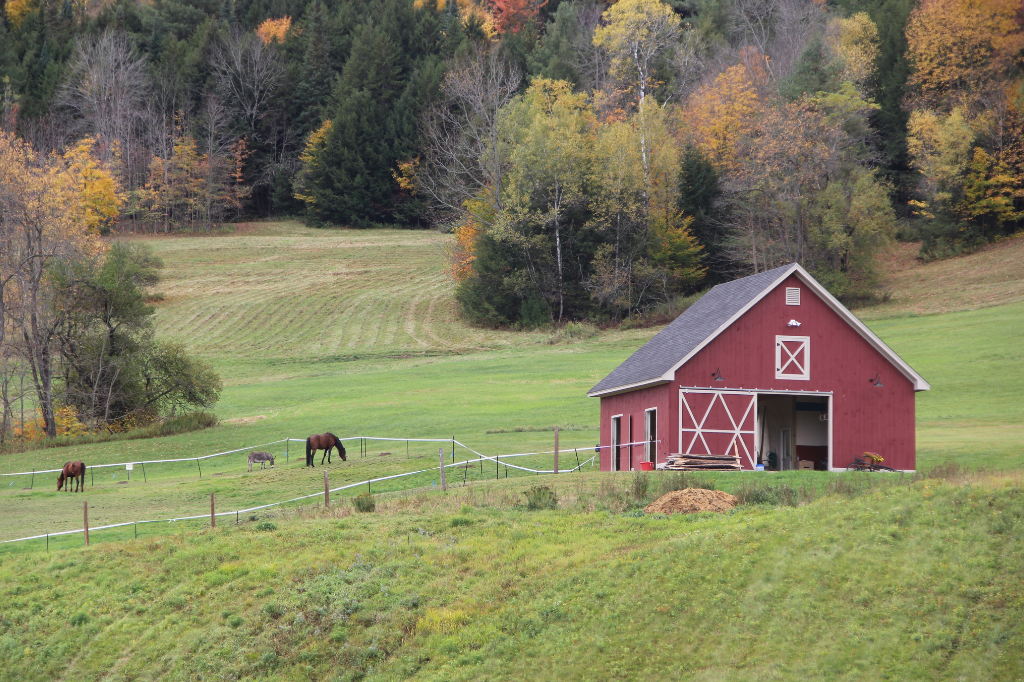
(646, 466)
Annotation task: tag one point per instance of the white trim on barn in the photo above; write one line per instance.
(800, 357)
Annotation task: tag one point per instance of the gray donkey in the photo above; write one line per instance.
(262, 458)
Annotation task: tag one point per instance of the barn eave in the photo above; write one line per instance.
(628, 387)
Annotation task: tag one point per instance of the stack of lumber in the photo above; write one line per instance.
(703, 462)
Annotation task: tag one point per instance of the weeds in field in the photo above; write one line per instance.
(572, 332)
(364, 503)
(541, 497)
(639, 486)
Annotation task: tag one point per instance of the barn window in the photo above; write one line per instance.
(792, 295)
(793, 357)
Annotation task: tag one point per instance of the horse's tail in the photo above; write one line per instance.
(309, 446)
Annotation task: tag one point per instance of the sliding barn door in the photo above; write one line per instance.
(718, 423)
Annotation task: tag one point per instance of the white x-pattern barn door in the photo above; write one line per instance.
(718, 423)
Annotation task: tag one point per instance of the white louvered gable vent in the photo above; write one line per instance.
(792, 295)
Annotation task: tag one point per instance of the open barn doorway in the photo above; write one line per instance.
(793, 431)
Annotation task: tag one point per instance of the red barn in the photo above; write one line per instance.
(771, 367)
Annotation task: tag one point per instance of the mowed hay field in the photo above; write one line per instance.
(868, 578)
(277, 294)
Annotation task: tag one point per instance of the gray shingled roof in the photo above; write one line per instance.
(659, 355)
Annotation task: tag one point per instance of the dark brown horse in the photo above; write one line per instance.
(72, 470)
(325, 442)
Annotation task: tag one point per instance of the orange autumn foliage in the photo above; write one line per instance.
(274, 30)
(721, 114)
(512, 16)
(957, 47)
(462, 252)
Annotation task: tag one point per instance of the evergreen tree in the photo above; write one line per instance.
(698, 190)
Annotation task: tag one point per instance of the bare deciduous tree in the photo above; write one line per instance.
(468, 146)
(248, 73)
(107, 89)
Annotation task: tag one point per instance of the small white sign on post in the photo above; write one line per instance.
(129, 466)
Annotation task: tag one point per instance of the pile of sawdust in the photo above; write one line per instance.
(692, 500)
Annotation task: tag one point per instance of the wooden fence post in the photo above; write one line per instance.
(440, 454)
(556, 449)
(327, 493)
(85, 512)
(213, 519)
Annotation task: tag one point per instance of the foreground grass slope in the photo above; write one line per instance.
(899, 582)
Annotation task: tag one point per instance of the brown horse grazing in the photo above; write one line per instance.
(325, 442)
(72, 470)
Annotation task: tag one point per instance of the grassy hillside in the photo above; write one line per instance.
(991, 276)
(894, 582)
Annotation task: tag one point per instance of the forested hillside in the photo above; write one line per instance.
(593, 160)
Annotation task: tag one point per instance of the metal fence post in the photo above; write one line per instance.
(143, 471)
(33, 481)
(213, 518)
(286, 441)
(85, 512)
(200, 467)
(327, 492)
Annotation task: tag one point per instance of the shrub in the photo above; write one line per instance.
(461, 521)
(541, 497)
(265, 526)
(364, 503)
(273, 610)
(79, 619)
(235, 621)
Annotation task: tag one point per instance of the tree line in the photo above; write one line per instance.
(76, 330)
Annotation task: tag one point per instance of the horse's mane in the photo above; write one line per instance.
(332, 436)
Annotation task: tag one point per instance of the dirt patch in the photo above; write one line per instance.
(692, 500)
(245, 420)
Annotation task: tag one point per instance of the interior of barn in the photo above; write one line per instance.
(792, 432)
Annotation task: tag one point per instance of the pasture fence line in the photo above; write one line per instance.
(247, 510)
(480, 458)
(154, 461)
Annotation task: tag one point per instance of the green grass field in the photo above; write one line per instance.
(354, 332)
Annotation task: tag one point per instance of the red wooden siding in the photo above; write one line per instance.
(632, 405)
